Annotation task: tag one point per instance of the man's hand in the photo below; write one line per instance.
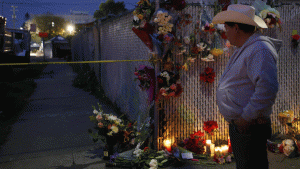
(242, 125)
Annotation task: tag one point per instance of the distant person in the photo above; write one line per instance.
(248, 87)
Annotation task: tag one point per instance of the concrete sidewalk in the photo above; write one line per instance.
(52, 129)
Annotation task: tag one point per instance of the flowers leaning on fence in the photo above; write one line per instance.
(109, 125)
(210, 127)
(169, 85)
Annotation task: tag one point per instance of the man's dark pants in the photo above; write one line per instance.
(249, 149)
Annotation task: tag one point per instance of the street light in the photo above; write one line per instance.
(70, 28)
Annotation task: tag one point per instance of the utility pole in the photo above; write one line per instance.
(14, 15)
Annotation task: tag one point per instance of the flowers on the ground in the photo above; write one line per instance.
(194, 143)
(208, 75)
(289, 148)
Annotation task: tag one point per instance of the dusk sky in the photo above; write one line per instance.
(53, 6)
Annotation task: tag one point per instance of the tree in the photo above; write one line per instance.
(109, 7)
(53, 25)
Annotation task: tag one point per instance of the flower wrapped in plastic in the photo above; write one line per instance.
(146, 76)
(289, 148)
(270, 15)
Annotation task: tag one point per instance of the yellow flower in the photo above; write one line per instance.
(140, 16)
(211, 25)
(115, 129)
(110, 133)
(216, 52)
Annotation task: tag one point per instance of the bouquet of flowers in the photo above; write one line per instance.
(146, 76)
(109, 126)
(289, 148)
(195, 143)
(208, 75)
(143, 13)
(270, 15)
(169, 85)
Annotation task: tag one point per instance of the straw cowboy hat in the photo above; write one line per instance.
(240, 14)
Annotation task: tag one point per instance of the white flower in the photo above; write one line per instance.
(166, 75)
(153, 163)
(95, 112)
(288, 142)
(138, 146)
(112, 118)
(201, 46)
(210, 56)
(186, 40)
(138, 152)
(153, 168)
(135, 18)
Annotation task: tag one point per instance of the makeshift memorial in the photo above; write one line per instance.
(208, 75)
(270, 15)
(146, 76)
(110, 129)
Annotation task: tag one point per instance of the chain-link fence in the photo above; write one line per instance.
(114, 40)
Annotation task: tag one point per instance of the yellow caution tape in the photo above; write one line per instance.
(101, 61)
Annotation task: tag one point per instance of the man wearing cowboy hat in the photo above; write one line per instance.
(248, 86)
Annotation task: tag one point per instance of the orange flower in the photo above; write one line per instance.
(100, 125)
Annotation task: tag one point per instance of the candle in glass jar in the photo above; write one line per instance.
(212, 148)
(168, 145)
(208, 143)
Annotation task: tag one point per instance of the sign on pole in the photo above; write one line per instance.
(43, 34)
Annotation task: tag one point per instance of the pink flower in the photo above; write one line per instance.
(99, 117)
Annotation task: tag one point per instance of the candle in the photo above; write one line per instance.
(229, 145)
(217, 150)
(168, 145)
(225, 149)
(208, 143)
(212, 149)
